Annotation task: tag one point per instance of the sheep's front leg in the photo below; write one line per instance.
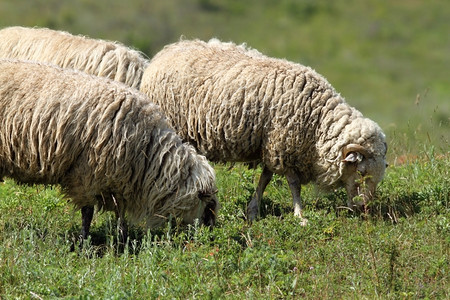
(253, 206)
(87, 213)
(295, 186)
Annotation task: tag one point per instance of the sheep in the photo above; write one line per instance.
(235, 104)
(104, 143)
(98, 57)
(94, 56)
(239, 105)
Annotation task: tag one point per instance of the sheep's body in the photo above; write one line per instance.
(103, 142)
(98, 57)
(235, 104)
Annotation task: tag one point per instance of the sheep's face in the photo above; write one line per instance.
(200, 187)
(205, 211)
(362, 172)
(210, 210)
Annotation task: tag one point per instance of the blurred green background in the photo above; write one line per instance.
(389, 59)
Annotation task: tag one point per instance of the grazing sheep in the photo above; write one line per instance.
(103, 142)
(236, 105)
(98, 57)
(239, 105)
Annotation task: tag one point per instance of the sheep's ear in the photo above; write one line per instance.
(353, 157)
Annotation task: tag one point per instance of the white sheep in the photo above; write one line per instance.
(236, 105)
(103, 142)
(93, 56)
(98, 57)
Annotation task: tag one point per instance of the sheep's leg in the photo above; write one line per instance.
(87, 213)
(294, 184)
(253, 206)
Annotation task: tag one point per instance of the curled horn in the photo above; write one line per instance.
(354, 148)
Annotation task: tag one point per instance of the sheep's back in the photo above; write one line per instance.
(94, 56)
(236, 104)
(54, 120)
(209, 102)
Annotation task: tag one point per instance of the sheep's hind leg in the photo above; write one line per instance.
(253, 206)
(295, 186)
(87, 213)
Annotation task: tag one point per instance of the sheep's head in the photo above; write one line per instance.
(363, 170)
(205, 210)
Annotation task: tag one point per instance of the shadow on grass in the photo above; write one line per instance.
(105, 238)
(274, 208)
(388, 208)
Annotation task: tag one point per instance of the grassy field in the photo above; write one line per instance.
(390, 59)
(399, 249)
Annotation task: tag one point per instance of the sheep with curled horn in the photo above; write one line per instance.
(104, 143)
(238, 105)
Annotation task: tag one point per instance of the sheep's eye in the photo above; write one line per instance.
(202, 195)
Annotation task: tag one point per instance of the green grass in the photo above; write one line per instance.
(389, 59)
(400, 249)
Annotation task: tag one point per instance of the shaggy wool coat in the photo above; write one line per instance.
(102, 141)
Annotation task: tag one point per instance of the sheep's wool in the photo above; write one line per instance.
(235, 104)
(103, 142)
(98, 57)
